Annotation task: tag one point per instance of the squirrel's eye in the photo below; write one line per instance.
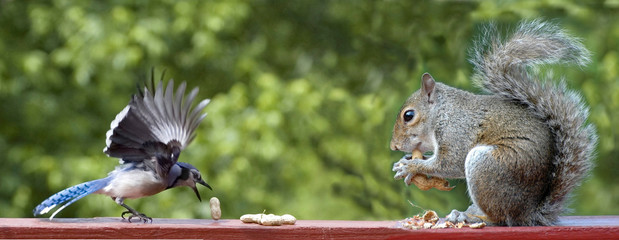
(409, 115)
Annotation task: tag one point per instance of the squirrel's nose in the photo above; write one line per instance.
(394, 146)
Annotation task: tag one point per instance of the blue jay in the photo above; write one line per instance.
(148, 136)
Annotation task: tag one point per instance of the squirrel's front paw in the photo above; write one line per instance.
(402, 169)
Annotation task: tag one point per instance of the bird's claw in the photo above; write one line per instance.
(141, 216)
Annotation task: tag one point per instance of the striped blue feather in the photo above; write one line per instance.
(71, 195)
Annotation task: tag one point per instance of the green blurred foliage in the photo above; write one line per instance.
(304, 94)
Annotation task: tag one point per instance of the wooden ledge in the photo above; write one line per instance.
(570, 227)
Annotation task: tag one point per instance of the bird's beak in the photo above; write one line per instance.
(195, 189)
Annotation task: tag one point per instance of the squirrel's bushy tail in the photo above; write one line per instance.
(502, 68)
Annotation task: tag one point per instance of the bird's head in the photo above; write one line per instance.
(188, 176)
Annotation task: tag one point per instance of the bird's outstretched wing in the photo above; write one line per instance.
(157, 123)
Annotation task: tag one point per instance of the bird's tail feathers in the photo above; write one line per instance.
(70, 195)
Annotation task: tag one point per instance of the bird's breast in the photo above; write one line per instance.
(133, 183)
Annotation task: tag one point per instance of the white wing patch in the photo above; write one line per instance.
(114, 125)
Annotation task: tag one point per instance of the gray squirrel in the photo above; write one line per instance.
(522, 148)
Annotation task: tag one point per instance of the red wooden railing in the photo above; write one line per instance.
(572, 227)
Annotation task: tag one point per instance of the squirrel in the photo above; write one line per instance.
(522, 147)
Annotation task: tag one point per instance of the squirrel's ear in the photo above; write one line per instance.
(427, 86)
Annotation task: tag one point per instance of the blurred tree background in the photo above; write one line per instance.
(304, 97)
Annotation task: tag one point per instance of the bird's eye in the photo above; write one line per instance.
(408, 115)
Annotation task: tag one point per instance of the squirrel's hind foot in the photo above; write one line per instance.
(472, 215)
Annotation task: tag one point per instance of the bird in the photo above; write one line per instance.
(147, 136)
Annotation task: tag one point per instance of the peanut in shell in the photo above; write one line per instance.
(424, 182)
